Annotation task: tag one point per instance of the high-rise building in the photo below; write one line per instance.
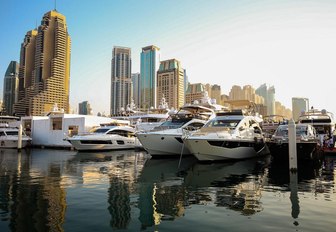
(84, 108)
(216, 93)
(195, 92)
(150, 61)
(44, 75)
(121, 81)
(282, 110)
(268, 93)
(171, 83)
(10, 88)
(299, 105)
(136, 88)
(245, 93)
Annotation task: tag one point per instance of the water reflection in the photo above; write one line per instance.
(162, 195)
(236, 184)
(31, 194)
(121, 168)
(56, 190)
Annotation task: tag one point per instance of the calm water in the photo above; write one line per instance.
(56, 190)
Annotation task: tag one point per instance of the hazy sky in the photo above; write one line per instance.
(288, 44)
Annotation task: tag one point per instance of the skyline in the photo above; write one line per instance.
(223, 42)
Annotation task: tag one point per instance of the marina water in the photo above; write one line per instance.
(61, 190)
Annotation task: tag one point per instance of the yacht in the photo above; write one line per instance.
(230, 135)
(105, 138)
(306, 142)
(9, 133)
(270, 123)
(166, 139)
(322, 120)
(145, 120)
(152, 118)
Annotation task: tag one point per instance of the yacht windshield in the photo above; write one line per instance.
(175, 122)
(283, 131)
(12, 132)
(101, 130)
(228, 123)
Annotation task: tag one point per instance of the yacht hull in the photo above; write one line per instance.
(13, 142)
(305, 150)
(87, 144)
(217, 150)
(163, 144)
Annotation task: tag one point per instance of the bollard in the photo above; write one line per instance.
(19, 146)
(292, 146)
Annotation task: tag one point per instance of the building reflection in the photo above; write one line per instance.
(31, 198)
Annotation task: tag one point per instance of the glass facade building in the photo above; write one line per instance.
(11, 87)
(150, 61)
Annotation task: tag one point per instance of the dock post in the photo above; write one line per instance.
(292, 146)
(19, 146)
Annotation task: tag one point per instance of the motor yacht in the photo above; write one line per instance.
(230, 135)
(306, 142)
(270, 123)
(166, 138)
(105, 138)
(322, 120)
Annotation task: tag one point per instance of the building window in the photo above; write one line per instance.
(56, 123)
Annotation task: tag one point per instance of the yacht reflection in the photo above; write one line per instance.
(161, 191)
(236, 185)
(121, 167)
(308, 170)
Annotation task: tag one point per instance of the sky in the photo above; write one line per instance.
(288, 44)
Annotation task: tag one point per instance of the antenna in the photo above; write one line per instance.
(55, 4)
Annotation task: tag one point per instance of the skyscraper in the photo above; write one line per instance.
(84, 108)
(136, 88)
(150, 61)
(299, 105)
(11, 87)
(121, 82)
(44, 75)
(171, 83)
(268, 93)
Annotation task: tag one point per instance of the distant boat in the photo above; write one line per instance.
(9, 133)
(322, 120)
(270, 123)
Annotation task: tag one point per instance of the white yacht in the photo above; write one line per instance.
(231, 135)
(9, 133)
(322, 120)
(167, 138)
(105, 138)
(152, 118)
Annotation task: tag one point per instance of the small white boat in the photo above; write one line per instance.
(106, 138)
(9, 132)
(9, 137)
